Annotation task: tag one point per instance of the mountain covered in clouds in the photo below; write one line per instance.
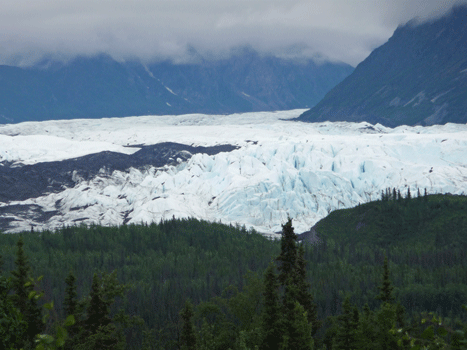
(418, 77)
(98, 87)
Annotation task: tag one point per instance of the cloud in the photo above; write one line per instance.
(340, 30)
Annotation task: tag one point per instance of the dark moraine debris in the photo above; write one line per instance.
(18, 183)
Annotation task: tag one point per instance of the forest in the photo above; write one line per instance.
(389, 274)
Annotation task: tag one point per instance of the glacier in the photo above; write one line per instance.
(281, 168)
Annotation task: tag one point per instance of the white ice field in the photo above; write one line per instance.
(282, 168)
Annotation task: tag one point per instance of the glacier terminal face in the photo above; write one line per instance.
(266, 169)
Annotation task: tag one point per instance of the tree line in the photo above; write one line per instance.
(222, 270)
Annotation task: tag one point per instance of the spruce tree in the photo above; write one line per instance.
(288, 317)
(400, 315)
(288, 255)
(20, 276)
(347, 338)
(23, 285)
(304, 296)
(271, 318)
(386, 316)
(12, 325)
(100, 332)
(299, 335)
(386, 287)
(70, 303)
(367, 336)
(98, 309)
(188, 336)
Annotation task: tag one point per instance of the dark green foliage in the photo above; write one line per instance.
(367, 331)
(288, 257)
(298, 335)
(100, 329)
(166, 263)
(304, 295)
(386, 287)
(399, 223)
(400, 316)
(98, 309)
(179, 259)
(271, 319)
(13, 328)
(299, 321)
(23, 298)
(70, 302)
(20, 276)
(346, 338)
(188, 333)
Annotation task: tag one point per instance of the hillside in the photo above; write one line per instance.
(418, 77)
(434, 220)
(168, 262)
(97, 87)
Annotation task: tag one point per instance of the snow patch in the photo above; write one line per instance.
(169, 90)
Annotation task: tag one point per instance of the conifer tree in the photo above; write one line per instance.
(288, 305)
(98, 310)
(188, 335)
(271, 318)
(23, 285)
(304, 296)
(367, 336)
(386, 287)
(99, 330)
(288, 255)
(12, 325)
(70, 303)
(400, 315)
(299, 335)
(385, 318)
(346, 338)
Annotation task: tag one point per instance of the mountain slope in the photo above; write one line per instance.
(418, 77)
(436, 220)
(102, 87)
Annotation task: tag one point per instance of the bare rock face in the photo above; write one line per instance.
(419, 77)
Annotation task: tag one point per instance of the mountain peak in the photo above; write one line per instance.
(419, 76)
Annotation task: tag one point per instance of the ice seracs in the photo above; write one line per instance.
(282, 168)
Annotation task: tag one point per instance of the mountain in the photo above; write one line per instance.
(436, 220)
(253, 169)
(418, 77)
(98, 87)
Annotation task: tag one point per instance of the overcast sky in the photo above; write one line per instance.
(340, 30)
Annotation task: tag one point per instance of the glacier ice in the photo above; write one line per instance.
(282, 168)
